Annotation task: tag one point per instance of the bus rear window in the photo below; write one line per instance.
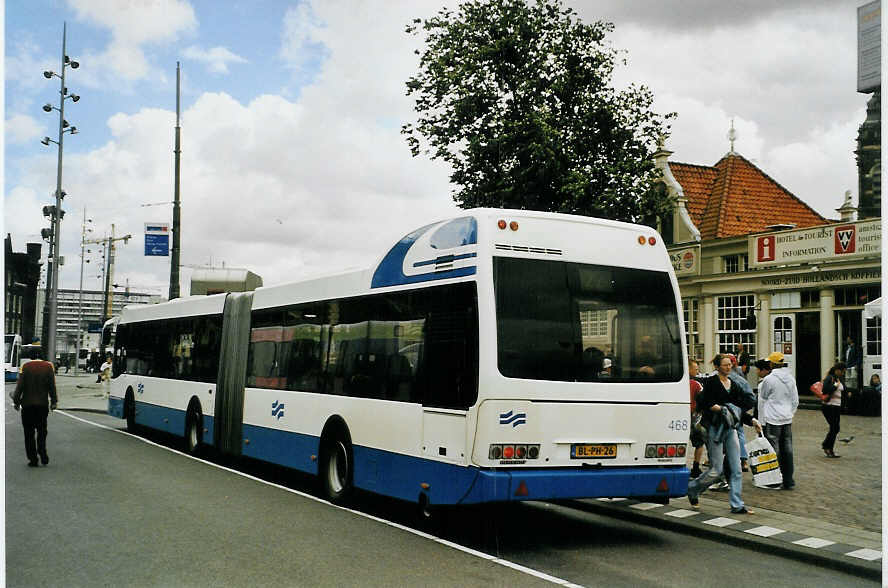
(585, 323)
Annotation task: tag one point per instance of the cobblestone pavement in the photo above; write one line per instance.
(845, 491)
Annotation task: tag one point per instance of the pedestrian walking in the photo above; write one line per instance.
(719, 403)
(832, 405)
(35, 393)
(778, 400)
(698, 431)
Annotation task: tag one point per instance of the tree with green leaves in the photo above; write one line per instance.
(517, 98)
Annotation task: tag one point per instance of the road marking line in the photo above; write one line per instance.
(814, 542)
(645, 505)
(764, 531)
(867, 554)
(721, 522)
(456, 546)
(682, 513)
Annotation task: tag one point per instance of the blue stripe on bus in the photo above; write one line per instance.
(390, 270)
(399, 476)
(293, 450)
(115, 407)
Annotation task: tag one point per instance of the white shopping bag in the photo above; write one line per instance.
(763, 462)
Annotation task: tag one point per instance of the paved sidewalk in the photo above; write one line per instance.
(832, 518)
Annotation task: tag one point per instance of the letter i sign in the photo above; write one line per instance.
(845, 239)
(765, 250)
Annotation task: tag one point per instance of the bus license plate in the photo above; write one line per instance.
(593, 451)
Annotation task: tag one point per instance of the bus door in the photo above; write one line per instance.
(229, 408)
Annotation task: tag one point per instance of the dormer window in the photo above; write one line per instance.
(734, 264)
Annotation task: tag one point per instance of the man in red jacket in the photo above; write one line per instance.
(33, 392)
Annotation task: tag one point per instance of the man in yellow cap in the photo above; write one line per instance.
(778, 399)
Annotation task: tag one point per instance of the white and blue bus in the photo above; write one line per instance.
(12, 350)
(469, 365)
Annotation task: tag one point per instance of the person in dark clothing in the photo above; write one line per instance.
(719, 403)
(832, 406)
(35, 393)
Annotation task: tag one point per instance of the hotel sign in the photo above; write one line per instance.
(836, 242)
(686, 261)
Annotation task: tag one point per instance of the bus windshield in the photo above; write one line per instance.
(585, 323)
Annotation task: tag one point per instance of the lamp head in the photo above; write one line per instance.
(45, 141)
(47, 107)
(73, 130)
(75, 97)
(65, 123)
(74, 65)
(47, 74)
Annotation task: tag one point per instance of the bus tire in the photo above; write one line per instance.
(129, 411)
(336, 469)
(193, 429)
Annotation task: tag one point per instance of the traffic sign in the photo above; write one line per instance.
(157, 245)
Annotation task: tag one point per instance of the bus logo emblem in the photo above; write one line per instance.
(277, 409)
(514, 419)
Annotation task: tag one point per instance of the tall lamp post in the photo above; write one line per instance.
(55, 212)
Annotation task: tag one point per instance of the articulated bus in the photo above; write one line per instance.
(12, 350)
(466, 366)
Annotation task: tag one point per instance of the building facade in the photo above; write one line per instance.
(758, 266)
(22, 273)
(90, 318)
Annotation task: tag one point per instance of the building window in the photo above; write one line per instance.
(691, 310)
(874, 336)
(734, 264)
(810, 298)
(856, 296)
(594, 323)
(731, 327)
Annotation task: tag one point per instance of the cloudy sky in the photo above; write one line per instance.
(292, 160)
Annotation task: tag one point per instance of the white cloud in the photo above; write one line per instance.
(21, 128)
(132, 24)
(216, 59)
(288, 186)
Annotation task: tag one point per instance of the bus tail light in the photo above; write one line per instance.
(521, 451)
(665, 450)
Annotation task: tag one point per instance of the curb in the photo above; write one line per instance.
(829, 559)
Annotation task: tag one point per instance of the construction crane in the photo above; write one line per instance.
(109, 244)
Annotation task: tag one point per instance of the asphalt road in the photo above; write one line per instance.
(112, 509)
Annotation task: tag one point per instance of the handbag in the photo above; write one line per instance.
(817, 390)
(763, 463)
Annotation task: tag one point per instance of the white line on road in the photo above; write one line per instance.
(457, 546)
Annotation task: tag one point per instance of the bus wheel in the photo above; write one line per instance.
(336, 470)
(193, 432)
(129, 411)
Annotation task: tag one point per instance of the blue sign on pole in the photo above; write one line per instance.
(158, 245)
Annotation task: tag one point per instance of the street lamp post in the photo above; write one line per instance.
(52, 284)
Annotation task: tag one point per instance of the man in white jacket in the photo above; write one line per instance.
(778, 399)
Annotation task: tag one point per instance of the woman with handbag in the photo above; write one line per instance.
(832, 405)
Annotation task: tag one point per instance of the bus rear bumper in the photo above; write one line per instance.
(547, 484)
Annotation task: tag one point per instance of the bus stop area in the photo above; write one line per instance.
(833, 516)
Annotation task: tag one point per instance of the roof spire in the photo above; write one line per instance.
(732, 136)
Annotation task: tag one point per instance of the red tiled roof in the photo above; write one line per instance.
(734, 198)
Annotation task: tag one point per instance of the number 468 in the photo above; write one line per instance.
(678, 425)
